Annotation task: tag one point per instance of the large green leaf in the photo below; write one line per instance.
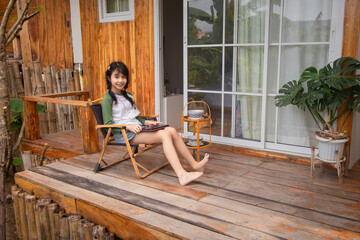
(16, 105)
(290, 92)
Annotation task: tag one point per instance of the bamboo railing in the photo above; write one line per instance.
(88, 132)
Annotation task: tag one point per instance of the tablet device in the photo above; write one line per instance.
(147, 128)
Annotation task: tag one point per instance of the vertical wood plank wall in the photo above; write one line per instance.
(13, 16)
(131, 42)
(47, 36)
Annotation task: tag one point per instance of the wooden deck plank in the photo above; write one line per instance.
(139, 218)
(154, 201)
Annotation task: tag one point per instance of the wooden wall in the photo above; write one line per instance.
(13, 16)
(47, 36)
(131, 42)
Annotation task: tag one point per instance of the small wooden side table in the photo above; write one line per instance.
(196, 129)
(342, 165)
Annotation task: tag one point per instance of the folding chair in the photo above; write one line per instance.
(132, 149)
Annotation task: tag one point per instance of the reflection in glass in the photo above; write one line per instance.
(204, 66)
(249, 69)
(214, 101)
(272, 69)
(275, 10)
(307, 21)
(229, 53)
(270, 119)
(251, 21)
(295, 59)
(247, 117)
(113, 6)
(205, 21)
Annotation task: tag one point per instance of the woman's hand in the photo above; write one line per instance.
(134, 128)
(153, 123)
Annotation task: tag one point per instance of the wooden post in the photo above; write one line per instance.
(31, 119)
(73, 226)
(65, 107)
(88, 131)
(64, 226)
(12, 84)
(15, 189)
(77, 80)
(40, 89)
(61, 115)
(27, 159)
(55, 90)
(81, 232)
(23, 221)
(30, 202)
(51, 208)
(57, 213)
(44, 221)
(99, 232)
(88, 230)
(27, 80)
(50, 106)
(109, 236)
(18, 79)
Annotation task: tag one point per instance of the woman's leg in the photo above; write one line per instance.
(184, 151)
(165, 138)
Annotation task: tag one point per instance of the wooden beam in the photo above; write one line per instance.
(88, 131)
(31, 119)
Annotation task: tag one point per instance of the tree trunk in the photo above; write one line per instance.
(3, 145)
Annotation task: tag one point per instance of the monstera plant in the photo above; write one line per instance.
(327, 94)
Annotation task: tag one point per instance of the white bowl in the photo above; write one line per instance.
(196, 113)
(192, 141)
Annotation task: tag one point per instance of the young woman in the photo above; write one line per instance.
(119, 108)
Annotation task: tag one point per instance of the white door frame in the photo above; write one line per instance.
(158, 58)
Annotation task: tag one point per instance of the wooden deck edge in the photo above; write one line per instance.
(51, 152)
(262, 153)
(123, 226)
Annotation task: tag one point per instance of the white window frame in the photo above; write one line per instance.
(117, 16)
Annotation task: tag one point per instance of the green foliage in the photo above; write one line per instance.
(326, 90)
(17, 161)
(16, 109)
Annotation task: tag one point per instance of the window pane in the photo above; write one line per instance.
(229, 63)
(214, 101)
(275, 11)
(111, 6)
(272, 69)
(247, 117)
(249, 69)
(205, 21)
(307, 20)
(270, 119)
(123, 5)
(295, 59)
(229, 21)
(251, 21)
(204, 68)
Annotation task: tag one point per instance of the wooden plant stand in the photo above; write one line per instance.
(342, 165)
(196, 129)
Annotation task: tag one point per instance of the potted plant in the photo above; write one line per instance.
(329, 93)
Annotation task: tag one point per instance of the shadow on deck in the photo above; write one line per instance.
(239, 196)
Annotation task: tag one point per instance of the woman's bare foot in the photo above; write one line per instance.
(199, 167)
(188, 177)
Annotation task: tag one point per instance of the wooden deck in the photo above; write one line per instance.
(239, 197)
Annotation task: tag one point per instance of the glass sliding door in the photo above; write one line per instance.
(239, 52)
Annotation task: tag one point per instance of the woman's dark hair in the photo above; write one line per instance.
(121, 68)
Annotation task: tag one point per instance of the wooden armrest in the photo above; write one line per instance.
(111, 126)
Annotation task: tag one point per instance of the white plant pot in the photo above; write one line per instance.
(328, 147)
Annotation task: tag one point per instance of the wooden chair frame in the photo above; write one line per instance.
(132, 149)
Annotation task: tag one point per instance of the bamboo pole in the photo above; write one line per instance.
(77, 80)
(15, 189)
(61, 115)
(30, 202)
(65, 107)
(73, 109)
(18, 79)
(51, 114)
(98, 232)
(57, 213)
(27, 80)
(64, 226)
(51, 208)
(81, 232)
(12, 84)
(73, 226)
(88, 230)
(41, 206)
(23, 221)
(40, 89)
(109, 236)
(27, 159)
(55, 90)
(68, 80)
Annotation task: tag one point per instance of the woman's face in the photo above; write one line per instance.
(118, 81)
